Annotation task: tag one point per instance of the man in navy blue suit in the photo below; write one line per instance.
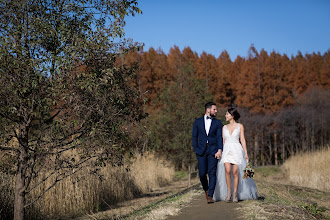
(208, 146)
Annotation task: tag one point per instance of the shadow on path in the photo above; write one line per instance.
(200, 210)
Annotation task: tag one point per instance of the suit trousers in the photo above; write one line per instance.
(207, 165)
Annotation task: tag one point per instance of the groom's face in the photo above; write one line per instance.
(213, 111)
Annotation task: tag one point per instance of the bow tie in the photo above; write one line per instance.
(207, 117)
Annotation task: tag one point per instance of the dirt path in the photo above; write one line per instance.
(126, 208)
(197, 208)
(200, 210)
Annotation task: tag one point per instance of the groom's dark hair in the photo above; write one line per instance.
(209, 105)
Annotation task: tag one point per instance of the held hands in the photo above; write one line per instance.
(218, 154)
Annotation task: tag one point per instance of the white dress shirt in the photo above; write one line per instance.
(207, 124)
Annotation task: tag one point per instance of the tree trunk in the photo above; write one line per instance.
(270, 148)
(283, 147)
(304, 141)
(297, 148)
(145, 144)
(322, 135)
(256, 148)
(19, 196)
(275, 149)
(262, 150)
(19, 200)
(189, 175)
(313, 139)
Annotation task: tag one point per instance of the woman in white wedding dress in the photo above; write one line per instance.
(230, 183)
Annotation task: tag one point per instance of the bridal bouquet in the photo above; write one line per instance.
(248, 171)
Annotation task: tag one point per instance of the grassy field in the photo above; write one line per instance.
(279, 199)
(86, 193)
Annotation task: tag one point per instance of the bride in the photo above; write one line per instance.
(234, 159)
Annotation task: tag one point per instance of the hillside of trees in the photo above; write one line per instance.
(284, 101)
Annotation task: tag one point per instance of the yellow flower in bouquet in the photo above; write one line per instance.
(248, 171)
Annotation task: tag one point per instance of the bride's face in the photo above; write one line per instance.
(228, 116)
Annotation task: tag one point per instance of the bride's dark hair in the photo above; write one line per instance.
(234, 113)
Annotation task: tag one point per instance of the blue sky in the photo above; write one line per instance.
(284, 26)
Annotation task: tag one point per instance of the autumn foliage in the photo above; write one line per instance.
(263, 82)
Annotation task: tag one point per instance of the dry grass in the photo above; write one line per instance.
(6, 196)
(85, 192)
(278, 201)
(149, 172)
(297, 190)
(309, 169)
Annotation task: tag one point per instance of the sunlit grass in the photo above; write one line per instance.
(279, 200)
(309, 169)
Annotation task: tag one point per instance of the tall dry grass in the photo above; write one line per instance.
(6, 196)
(86, 192)
(310, 169)
(148, 172)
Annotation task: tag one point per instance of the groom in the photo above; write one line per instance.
(208, 145)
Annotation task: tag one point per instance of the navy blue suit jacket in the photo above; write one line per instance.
(199, 137)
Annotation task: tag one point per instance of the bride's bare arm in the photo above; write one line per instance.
(219, 153)
(243, 142)
(223, 139)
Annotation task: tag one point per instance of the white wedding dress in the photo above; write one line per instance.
(233, 153)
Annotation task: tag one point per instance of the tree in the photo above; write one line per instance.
(207, 70)
(226, 80)
(277, 91)
(48, 104)
(153, 74)
(250, 90)
(175, 61)
(236, 71)
(301, 78)
(171, 127)
(325, 71)
(189, 57)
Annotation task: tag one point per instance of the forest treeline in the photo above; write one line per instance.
(284, 100)
(262, 82)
